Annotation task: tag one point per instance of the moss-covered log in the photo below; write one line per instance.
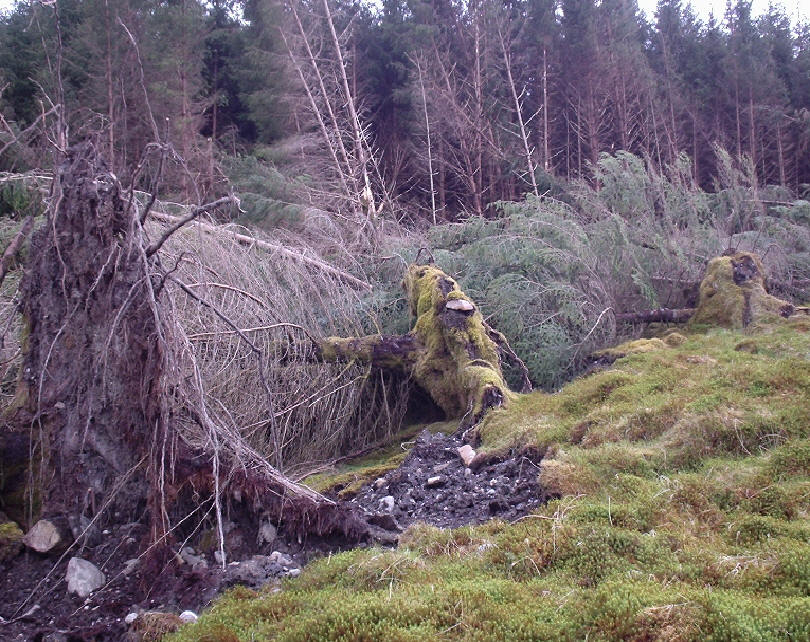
(451, 352)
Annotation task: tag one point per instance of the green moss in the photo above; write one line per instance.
(726, 303)
(10, 540)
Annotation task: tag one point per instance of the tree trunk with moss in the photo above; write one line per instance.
(733, 294)
(451, 352)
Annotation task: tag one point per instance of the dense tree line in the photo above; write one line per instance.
(446, 106)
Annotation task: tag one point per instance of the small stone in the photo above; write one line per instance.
(130, 618)
(43, 537)
(438, 480)
(467, 472)
(83, 577)
(460, 305)
(386, 504)
(188, 617)
(467, 454)
(281, 558)
(440, 467)
(380, 482)
(130, 565)
(294, 572)
(267, 534)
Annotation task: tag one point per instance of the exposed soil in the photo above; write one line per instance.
(432, 485)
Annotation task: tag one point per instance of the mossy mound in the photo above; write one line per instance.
(733, 294)
(684, 476)
(10, 539)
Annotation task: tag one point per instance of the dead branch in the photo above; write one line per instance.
(177, 224)
(249, 241)
(660, 315)
(14, 246)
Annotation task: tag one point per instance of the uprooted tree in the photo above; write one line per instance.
(451, 352)
(106, 375)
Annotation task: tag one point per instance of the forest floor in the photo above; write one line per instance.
(431, 485)
(665, 496)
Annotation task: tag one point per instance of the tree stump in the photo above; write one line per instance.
(733, 293)
(451, 352)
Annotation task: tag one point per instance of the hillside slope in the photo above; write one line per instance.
(683, 472)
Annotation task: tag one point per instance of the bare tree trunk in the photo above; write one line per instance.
(429, 146)
(109, 82)
(546, 165)
(518, 110)
(357, 130)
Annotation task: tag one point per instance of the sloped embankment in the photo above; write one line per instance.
(684, 514)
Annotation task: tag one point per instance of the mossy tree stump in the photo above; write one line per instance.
(451, 352)
(733, 293)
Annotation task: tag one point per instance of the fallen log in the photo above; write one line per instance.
(102, 387)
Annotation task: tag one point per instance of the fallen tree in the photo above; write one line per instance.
(451, 352)
(106, 375)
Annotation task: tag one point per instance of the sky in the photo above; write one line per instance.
(797, 9)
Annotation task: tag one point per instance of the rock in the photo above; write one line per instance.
(188, 617)
(281, 558)
(267, 534)
(440, 467)
(189, 556)
(385, 520)
(434, 482)
(130, 565)
(467, 472)
(11, 538)
(380, 482)
(259, 570)
(294, 572)
(467, 454)
(43, 537)
(83, 577)
(130, 618)
(386, 504)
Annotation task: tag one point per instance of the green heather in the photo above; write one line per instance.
(683, 474)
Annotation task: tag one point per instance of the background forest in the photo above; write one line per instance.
(451, 106)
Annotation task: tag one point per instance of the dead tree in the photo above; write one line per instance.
(451, 352)
(104, 381)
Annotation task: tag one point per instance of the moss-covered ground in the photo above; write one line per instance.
(684, 514)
